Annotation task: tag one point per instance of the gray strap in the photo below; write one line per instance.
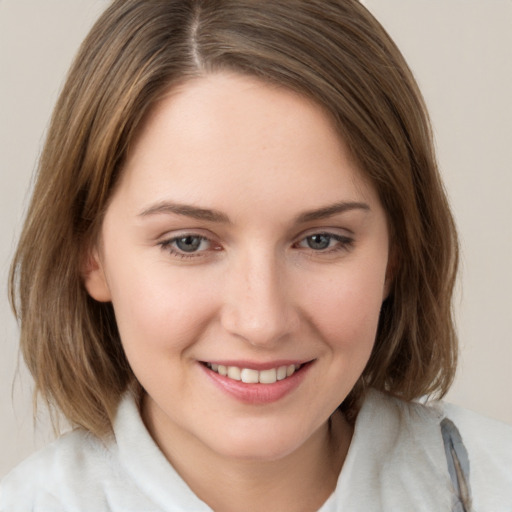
(458, 465)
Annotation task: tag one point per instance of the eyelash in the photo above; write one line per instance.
(168, 245)
(345, 243)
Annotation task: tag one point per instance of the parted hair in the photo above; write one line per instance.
(331, 51)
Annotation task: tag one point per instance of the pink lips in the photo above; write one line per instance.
(257, 393)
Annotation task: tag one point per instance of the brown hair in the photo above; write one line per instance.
(332, 51)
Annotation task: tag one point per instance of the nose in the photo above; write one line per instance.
(257, 304)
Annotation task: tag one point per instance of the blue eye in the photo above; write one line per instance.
(189, 243)
(319, 242)
(325, 242)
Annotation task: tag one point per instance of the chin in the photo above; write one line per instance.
(259, 442)
(262, 449)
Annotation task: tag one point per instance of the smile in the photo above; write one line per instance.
(251, 376)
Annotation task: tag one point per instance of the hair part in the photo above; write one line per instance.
(331, 51)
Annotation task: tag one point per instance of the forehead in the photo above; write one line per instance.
(230, 133)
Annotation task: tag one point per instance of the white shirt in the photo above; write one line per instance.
(396, 462)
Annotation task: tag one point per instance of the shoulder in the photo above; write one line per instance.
(484, 434)
(397, 457)
(77, 472)
(420, 431)
(80, 472)
(43, 480)
(489, 448)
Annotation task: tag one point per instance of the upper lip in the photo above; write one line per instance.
(258, 365)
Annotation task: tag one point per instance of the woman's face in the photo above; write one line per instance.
(242, 239)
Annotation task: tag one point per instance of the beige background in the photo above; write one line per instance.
(461, 53)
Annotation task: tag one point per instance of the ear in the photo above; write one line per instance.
(94, 277)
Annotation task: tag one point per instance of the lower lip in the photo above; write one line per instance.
(257, 393)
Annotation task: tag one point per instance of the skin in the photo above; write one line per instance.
(261, 158)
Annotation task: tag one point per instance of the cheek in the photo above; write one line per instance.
(158, 311)
(346, 309)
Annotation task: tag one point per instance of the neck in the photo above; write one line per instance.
(231, 485)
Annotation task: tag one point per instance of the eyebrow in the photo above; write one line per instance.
(330, 211)
(187, 211)
(211, 215)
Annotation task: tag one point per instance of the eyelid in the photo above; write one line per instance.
(345, 241)
(331, 231)
(166, 244)
(177, 232)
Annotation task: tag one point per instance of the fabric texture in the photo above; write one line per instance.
(458, 465)
(397, 461)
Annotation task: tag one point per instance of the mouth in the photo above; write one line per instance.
(257, 383)
(253, 376)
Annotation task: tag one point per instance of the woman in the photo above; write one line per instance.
(236, 273)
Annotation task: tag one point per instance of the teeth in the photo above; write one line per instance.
(268, 376)
(250, 376)
(281, 373)
(234, 373)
